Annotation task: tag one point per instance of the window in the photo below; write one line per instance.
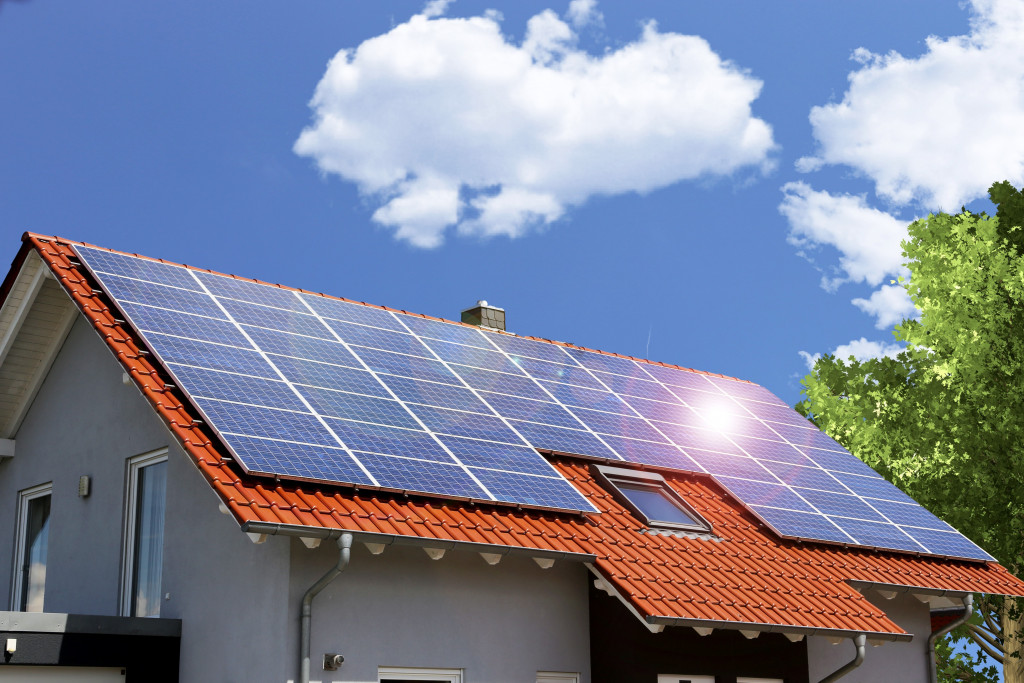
(144, 535)
(557, 677)
(30, 548)
(652, 499)
(676, 678)
(401, 674)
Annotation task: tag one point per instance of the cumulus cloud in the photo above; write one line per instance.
(940, 128)
(868, 240)
(861, 349)
(890, 304)
(446, 123)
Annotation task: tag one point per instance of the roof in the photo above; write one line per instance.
(746, 577)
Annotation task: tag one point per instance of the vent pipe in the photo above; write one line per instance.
(485, 315)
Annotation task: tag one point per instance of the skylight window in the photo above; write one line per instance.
(649, 496)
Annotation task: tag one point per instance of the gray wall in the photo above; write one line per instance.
(238, 601)
(891, 662)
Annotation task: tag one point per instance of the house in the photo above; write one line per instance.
(170, 517)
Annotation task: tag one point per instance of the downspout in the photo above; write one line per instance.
(305, 620)
(859, 642)
(933, 673)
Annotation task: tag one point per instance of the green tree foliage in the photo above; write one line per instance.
(944, 420)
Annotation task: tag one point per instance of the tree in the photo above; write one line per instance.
(944, 420)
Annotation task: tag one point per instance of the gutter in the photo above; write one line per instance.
(933, 674)
(859, 641)
(306, 618)
(777, 628)
(322, 533)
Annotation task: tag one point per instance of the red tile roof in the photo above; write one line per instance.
(746, 576)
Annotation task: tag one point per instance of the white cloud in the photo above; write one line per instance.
(940, 128)
(890, 304)
(436, 8)
(583, 12)
(445, 122)
(861, 349)
(868, 240)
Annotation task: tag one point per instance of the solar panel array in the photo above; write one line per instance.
(305, 386)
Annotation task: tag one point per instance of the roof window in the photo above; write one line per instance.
(649, 496)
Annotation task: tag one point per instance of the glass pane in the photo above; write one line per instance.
(655, 505)
(150, 499)
(37, 532)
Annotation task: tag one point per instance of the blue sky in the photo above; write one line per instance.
(706, 184)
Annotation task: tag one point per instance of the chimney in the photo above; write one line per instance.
(485, 315)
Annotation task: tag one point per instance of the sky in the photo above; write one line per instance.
(721, 186)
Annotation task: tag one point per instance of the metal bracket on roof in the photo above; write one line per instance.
(603, 584)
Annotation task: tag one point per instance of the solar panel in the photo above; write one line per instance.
(304, 386)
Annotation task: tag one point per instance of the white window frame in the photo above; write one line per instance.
(652, 481)
(135, 465)
(675, 678)
(25, 496)
(557, 677)
(419, 674)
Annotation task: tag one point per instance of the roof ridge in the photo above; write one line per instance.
(61, 240)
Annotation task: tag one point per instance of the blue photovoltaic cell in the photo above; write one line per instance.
(765, 494)
(562, 440)
(746, 390)
(235, 418)
(553, 491)
(472, 356)
(650, 453)
(582, 397)
(678, 378)
(630, 386)
(252, 292)
(415, 475)
(139, 291)
(533, 411)
(330, 403)
(802, 524)
(875, 534)
(838, 504)
(499, 456)
(142, 269)
(276, 319)
(909, 514)
(693, 437)
(377, 338)
(228, 386)
(328, 376)
(434, 329)
(214, 356)
(300, 346)
(952, 544)
(488, 380)
(805, 477)
(434, 394)
(355, 313)
(568, 374)
(472, 425)
(297, 460)
(360, 436)
(619, 425)
(558, 398)
(149, 319)
(518, 347)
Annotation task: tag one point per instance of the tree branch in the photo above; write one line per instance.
(979, 637)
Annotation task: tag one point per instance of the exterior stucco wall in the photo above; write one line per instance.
(500, 623)
(239, 601)
(889, 663)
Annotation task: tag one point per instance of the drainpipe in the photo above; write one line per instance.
(859, 642)
(933, 674)
(344, 552)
